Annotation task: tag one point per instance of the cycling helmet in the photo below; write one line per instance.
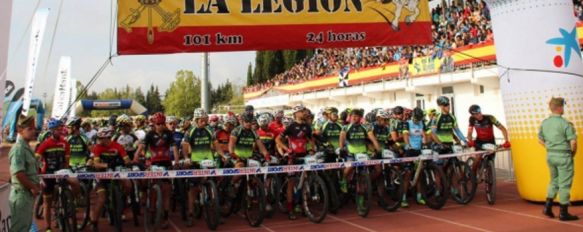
(54, 123)
(431, 111)
(279, 114)
(170, 119)
(74, 122)
(442, 101)
(287, 121)
(298, 108)
(124, 120)
(112, 120)
(85, 123)
(231, 119)
(263, 120)
(158, 118)
(383, 114)
(357, 111)
(214, 118)
(198, 114)
(248, 117)
(140, 118)
(418, 114)
(398, 110)
(331, 110)
(474, 109)
(104, 133)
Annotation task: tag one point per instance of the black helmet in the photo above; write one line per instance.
(398, 110)
(74, 122)
(357, 111)
(248, 117)
(474, 109)
(112, 120)
(442, 101)
(418, 114)
(249, 108)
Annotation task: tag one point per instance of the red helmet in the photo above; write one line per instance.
(214, 118)
(158, 118)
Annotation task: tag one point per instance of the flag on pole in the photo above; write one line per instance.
(37, 32)
(343, 77)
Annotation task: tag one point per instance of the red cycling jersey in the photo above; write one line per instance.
(277, 128)
(53, 154)
(113, 155)
(484, 128)
(159, 145)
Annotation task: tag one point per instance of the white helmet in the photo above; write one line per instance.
(198, 114)
(263, 120)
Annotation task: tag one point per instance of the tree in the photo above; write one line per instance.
(153, 101)
(250, 80)
(258, 72)
(183, 96)
(139, 96)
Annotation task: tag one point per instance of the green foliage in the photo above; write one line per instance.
(270, 63)
(183, 95)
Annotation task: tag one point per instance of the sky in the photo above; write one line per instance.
(83, 32)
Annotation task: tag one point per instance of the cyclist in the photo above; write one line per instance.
(124, 136)
(277, 125)
(107, 154)
(222, 136)
(214, 122)
(298, 135)
(484, 125)
(397, 125)
(241, 143)
(140, 130)
(415, 136)
(329, 132)
(354, 137)
(172, 125)
(444, 127)
(54, 153)
(160, 142)
(88, 130)
(430, 113)
(80, 145)
(267, 136)
(196, 147)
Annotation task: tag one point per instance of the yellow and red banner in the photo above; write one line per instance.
(175, 26)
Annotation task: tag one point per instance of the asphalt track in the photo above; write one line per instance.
(509, 214)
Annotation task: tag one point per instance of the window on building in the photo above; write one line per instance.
(481, 89)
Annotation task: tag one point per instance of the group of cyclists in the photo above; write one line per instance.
(162, 142)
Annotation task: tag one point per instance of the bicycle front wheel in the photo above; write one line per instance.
(254, 201)
(363, 194)
(433, 186)
(315, 198)
(490, 180)
(211, 205)
(389, 189)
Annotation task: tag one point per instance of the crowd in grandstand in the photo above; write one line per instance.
(453, 27)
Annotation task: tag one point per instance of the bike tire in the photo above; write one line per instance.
(315, 185)
(465, 185)
(390, 189)
(333, 201)
(434, 186)
(254, 201)
(225, 202)
(67, 220)
(135, 203)
(85, 206)
(152, 222)
(272, 187)
(363, 189)
(117, 203)
(212, 214)
(490, 181)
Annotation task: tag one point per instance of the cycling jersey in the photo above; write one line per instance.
(268, 139)
(484, 128)
(113, 155)
(445, 123)
(53, 152)
(246, 138)
(128, 142)
(277, 128)
(383, 135)
(200, 140)
(159, 146)
(298, 135)
(356, 135)
(44, 135)
(79, 149)
(415, 131)
(222, 137)
(141, 134)
(398, 126)
(331, 133)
